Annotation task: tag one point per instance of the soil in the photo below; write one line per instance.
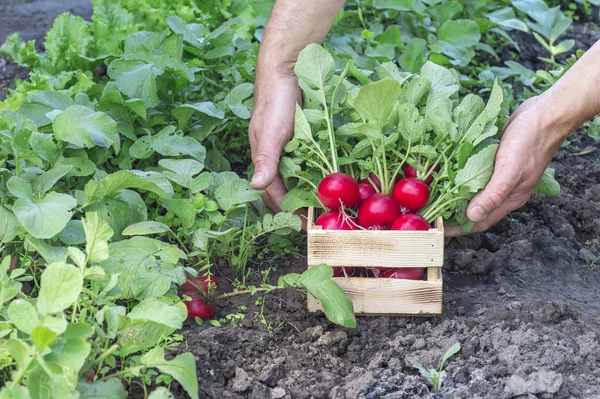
(522, 299)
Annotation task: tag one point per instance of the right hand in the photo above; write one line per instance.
(271, 127)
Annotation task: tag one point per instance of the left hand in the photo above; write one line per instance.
(526, 148)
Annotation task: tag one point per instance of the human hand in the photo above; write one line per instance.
(526, 148)
(271, 127)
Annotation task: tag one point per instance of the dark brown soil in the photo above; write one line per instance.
(521, 299)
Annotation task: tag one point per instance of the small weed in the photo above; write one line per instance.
(436, 377)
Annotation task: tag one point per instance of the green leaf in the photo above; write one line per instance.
(73, 233)
(115, 182)
(183, 112)
(184, 209)
(48, 179)
(234, 191)
(80, 166)
(37, 105)
(182, 172)
(282, 223)
(136, 79)
(376, 101)
(69, 353)
(84, 127)
(60, 287)
(170, 144)
(495, 101)
(145, 267)
(314, 66)
(68, 42)
(42, 337)
(412, 58)
(467, 111)
(411, 124)
(460, 32)
(161, 393)
(478, 169)
(441, 79)
(18, 392)
(149, 322)
(23, 315)
(110, 389)
(547, 184)
(453, 350)
(235, 98)
(506, 18)
(50, 253)
(97, 233)
(145, 228)
(9, 225)
(399, 5)
(182, 368)
(336, 305)
(46, 217)
(302, 129)
(389, 70)
(298, 198)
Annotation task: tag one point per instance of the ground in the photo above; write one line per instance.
(521, 299)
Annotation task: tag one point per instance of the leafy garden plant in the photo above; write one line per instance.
(123, 161)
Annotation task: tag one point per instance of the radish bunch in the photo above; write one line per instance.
(363, 205)
(197, 289)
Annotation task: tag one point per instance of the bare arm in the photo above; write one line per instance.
(292, 26)
(531, 137)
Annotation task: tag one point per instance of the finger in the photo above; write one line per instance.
(504, 179)
(266, 163)
(489, 221)
(454, 231)
(274, 194)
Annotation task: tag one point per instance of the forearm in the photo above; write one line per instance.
(575, 98)
(293, 25)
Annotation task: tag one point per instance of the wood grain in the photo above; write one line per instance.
(388, 296)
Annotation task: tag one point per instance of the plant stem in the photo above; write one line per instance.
(186, 249)
(119, 373)
(243, 292)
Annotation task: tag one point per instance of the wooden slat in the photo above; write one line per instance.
(434, 274)
(376, 248)
(368, 248)
(389, 296)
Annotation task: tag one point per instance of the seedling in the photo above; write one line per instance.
(436, 377)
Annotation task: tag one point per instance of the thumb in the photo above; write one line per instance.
(494, 194)
(266, 163)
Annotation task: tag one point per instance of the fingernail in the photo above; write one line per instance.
(258, 178)
(477, 214)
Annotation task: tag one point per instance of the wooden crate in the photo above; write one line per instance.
(360, 248)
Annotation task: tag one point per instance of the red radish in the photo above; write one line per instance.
(374, 181)
(194, 285)
(407, 273)
(336, 220)
(339, 271)
(364, 191)
(412, 194)
(378, 210)
(338, 189)
(198, 307)
(409, 171)
(90, 376)
(411, 221)
(13, 264)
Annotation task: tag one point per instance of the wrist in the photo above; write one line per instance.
(557, 118)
